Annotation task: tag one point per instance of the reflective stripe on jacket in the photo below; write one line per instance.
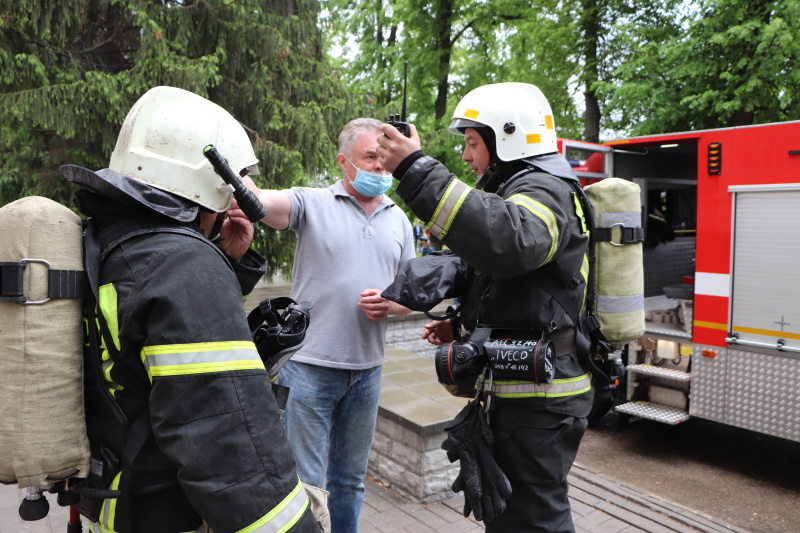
(178, 343)
(520, 237)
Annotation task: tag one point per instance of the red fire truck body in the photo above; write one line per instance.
(721, 263)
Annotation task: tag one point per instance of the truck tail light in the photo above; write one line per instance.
(714, 159)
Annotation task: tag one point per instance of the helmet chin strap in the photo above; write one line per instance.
(486, 176)
(214, 236)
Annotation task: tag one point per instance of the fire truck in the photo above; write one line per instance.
(721, 213)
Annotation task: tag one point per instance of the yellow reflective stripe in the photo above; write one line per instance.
(579, 212)
(109, 509)
(766, 332)
(107, 300)
(106, 366)
(100, 529)
(585, 276)
(547, 216)
(283, 516)
(199, 358)
(585, 268)
(448, 206)
(710, 325)
(557, 389)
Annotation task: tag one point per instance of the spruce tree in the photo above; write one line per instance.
(70, 71)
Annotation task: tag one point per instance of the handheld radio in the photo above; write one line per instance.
(399, 121)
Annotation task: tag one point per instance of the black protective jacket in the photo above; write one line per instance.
(179, 351)
(522, 235)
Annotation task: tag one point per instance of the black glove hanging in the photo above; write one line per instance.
(486, 488)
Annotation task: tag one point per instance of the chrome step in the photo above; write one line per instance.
(670, 330)
(657, 371)
(654, 411)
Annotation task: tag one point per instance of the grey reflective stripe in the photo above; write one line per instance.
(445, 212)
(620, 304)
(558, 388)
(201, 357)
(629, 220)
(284, 516)
(108, 511)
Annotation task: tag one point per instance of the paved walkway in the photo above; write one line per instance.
(600, 504)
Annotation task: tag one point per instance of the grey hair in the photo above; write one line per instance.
(354, 128)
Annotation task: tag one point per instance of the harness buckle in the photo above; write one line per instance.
(12, 283)
(49, 267)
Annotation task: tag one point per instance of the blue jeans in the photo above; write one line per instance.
(333, 410)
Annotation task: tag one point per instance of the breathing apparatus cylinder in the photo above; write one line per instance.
(458, 365)
(42, 430)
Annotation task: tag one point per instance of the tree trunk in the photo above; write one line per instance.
(444, 21)
(286, 7)
(590, 28)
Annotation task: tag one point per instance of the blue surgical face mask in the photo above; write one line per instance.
(370, 184)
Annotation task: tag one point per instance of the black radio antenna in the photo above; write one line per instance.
(405, 92)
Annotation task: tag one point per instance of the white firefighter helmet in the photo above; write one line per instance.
(162, 139)
(518, 113)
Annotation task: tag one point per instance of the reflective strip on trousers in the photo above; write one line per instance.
(445, 212)
(201, 357)
(284, 515)
(620, 304)
(546, 215)
(559, 388)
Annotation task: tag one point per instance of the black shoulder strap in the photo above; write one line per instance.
(588, 337)
(128, 438)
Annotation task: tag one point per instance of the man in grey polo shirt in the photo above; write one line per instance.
(350, 240)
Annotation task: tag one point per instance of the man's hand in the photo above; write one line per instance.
(375, 306)
(438, 332)
(393, 146)
(237, 232)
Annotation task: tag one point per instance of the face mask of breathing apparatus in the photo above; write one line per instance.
(459, 365)
(370, 184)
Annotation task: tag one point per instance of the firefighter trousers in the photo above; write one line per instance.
(535, 449)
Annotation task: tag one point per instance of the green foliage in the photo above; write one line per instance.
(452, 47)
(70, 71)
(608, 67)
(733, 64)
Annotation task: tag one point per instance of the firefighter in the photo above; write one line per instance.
(521, 232)
(194, 438)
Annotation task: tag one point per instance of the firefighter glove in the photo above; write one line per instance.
(485, 486)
